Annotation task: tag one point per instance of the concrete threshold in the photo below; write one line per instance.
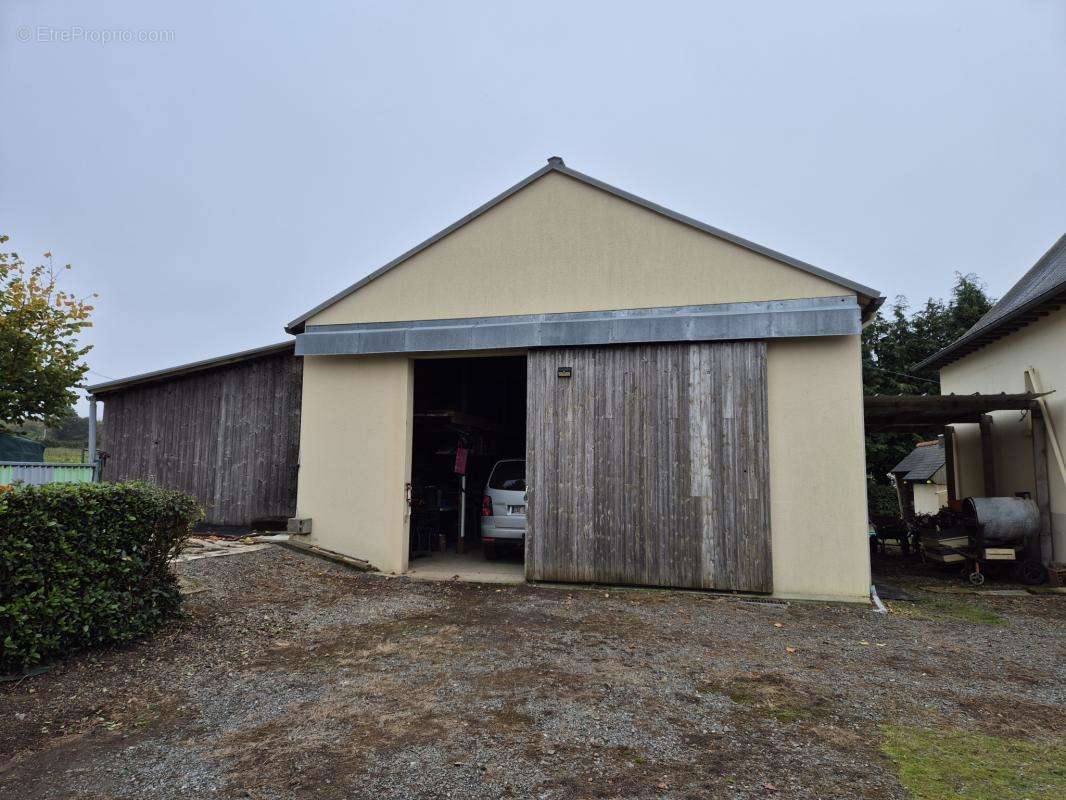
(466, 568)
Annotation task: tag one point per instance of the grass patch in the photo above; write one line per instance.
(769, 696)
(943, 609)
(764, 703)
(63, 455)
(944, 765)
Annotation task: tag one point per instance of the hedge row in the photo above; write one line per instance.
(86, 564)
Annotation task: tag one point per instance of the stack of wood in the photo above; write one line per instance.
(939, 545)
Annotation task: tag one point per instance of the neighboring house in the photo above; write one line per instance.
(693, 401)
(225, 430)
(921, 479)
(1019, 345)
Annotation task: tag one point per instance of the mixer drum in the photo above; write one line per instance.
(1005, 520)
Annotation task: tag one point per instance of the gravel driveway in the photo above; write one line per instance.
(293, 677)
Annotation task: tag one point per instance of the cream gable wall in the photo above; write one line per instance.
(560, 245)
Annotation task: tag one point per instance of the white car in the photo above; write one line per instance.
(503, 508)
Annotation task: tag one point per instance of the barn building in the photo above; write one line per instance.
(226, 430)
(689, 404)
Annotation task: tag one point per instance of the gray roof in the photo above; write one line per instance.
(921, 463)
(195, 366)
(1037, 293)
(873, 298)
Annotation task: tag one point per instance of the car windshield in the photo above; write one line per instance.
(509, 475)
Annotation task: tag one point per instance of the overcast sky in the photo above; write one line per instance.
(249, 159)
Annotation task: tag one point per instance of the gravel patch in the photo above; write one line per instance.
(293, 677)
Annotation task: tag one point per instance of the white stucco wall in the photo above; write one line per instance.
(1000, 367)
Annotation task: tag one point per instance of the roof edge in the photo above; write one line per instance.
(296, 325)
(556, 164)
(185, 369)
(951, 353)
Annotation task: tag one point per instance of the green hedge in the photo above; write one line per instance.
(881, 498)
(86, 564)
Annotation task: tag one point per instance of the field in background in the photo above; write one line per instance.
(65, 455)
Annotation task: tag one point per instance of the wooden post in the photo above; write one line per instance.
(1043, 495)
(988, 456)
(949, 465)
(905, 493)
(460, 546)
(1032, 382)
(899, 491)
(92, 438)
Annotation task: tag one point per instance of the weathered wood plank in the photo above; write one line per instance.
(650, 465)
(229, 436)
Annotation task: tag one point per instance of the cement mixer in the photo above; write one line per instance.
(1003, 531)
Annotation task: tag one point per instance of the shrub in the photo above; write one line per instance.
(86, 564)
(881, 499)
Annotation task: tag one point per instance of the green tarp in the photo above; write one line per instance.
(19, 448)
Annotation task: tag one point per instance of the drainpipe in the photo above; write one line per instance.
(92, 438)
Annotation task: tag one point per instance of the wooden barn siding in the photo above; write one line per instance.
(650, 466)
(229, 436)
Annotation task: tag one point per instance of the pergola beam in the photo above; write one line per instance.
(928, 413)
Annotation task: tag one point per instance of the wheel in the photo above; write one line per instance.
(1031, 572)
(491, 553)
(977, 578)
(994, 569)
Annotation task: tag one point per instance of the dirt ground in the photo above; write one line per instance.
(291, 677)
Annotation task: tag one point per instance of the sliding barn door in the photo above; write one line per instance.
(649, 465)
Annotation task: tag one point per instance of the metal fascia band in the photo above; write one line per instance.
(825, 316)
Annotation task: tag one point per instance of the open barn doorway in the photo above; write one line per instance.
(468, 515)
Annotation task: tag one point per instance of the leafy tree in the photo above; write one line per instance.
(71, 429)
(41, 358)
(892, 345)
